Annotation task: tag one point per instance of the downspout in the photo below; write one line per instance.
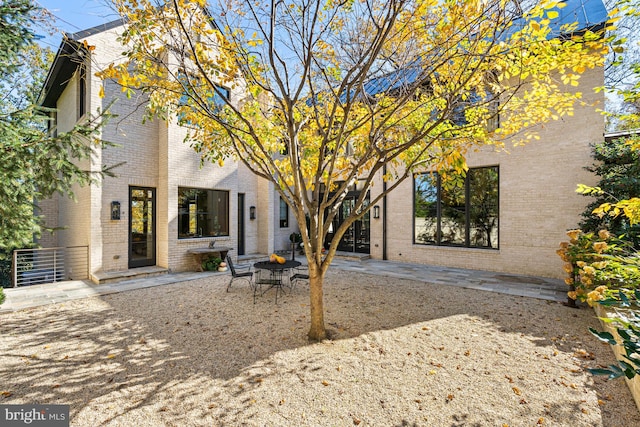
(384, 214)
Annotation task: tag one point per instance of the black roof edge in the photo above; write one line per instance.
(97, 29)
(63, 65)
(68, 57)
(60, 72)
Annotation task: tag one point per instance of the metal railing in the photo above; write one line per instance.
(49, 265)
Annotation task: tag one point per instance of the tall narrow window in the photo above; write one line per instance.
(82, 91)
(284, 213)
(457, 210)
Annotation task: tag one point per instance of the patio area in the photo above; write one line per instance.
(406, 351)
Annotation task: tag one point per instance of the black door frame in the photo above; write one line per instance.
(136, 261)
(356, 229)
(241, 224)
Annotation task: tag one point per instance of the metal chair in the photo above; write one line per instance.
(246, 275)
(296, 276)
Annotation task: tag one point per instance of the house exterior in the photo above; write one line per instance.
(163, 204)
(536, 200)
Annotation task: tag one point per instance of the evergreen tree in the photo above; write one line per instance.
(619, 170)
(34, 162)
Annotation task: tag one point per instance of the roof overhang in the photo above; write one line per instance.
(70, 55)
(67, 60)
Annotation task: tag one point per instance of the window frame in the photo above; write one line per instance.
(284, 223)
(467, 208)
(185, 80)
(203, 230)
(82, 91)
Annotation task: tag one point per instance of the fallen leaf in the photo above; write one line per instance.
(325, 383)
(540, 421)
(6, 394)
(356, 421)
(516, 390)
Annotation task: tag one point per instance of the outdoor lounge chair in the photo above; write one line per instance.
(245, 275)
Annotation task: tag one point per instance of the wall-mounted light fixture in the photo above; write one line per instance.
(115, 210)
(252, 212)
(376, 211)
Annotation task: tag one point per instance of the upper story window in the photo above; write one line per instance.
(218, 97)
(491, 105)
(457, 210)
(202, 213)
(82, 91)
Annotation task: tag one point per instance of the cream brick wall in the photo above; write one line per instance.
(537, 183)
(48, 210)
(75, 215)
(538, 202)
(154, 155)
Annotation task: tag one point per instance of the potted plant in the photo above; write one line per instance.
(211, 263)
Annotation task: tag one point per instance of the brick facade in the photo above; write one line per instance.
(537, 185)
(538, 202)
(153, 155)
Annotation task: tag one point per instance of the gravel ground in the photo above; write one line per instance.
(404, 353)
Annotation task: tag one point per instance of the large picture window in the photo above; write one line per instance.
(202, 213)
(457, 210)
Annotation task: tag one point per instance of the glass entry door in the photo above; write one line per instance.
(357, 236)
(142, 227)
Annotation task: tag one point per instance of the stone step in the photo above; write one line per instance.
(103, 277)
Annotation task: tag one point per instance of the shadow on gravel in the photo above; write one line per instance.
(166, 344)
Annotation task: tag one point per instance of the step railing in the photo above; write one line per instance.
(49, 265)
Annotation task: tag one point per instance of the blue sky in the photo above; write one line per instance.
(75, 15)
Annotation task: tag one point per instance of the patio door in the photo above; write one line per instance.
(142, 227)
(357, 236)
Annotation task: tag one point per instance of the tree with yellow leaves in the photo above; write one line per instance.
(329, 92)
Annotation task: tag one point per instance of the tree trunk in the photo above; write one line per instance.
(317, 331)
